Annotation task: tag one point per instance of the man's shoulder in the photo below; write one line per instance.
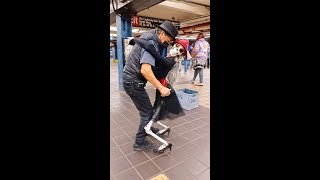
(147, 58)
(154, 44)
(147, 33)
(149, 36)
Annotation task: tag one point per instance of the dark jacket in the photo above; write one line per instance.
(132, 68)
(163, 65)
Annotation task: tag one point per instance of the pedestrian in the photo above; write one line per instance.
(138, 70)
(199, 55)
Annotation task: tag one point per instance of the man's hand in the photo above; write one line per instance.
(147, 72)
(164, 91)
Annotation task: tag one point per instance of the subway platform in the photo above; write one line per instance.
(190, 136)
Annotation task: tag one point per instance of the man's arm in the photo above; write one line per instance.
(149, 47)
(146, 61)
(147, 72)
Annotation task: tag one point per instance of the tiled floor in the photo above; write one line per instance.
(190, 136)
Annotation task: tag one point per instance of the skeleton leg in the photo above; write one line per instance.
(155, 119)
(165, 144)
(147, 128)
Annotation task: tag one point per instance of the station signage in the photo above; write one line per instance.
(147, 22)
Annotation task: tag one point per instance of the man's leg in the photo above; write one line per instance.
(142, 102)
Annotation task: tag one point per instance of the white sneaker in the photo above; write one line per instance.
(199, 84)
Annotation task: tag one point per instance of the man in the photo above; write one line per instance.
(199, 54)
(138, 70)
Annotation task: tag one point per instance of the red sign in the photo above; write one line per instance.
(135, 21)
(140, 21)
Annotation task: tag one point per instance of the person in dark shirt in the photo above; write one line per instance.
(138, 70)
(166, 72)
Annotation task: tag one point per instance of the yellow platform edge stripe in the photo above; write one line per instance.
(160, 177)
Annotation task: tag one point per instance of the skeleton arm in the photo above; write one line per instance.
(152, 50)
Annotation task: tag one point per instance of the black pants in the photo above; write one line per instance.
(141, 100)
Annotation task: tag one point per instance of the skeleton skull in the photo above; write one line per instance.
(176, 50)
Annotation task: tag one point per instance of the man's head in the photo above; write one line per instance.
(200, 35)
(167, 33)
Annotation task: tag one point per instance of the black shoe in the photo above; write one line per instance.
(145, 146)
